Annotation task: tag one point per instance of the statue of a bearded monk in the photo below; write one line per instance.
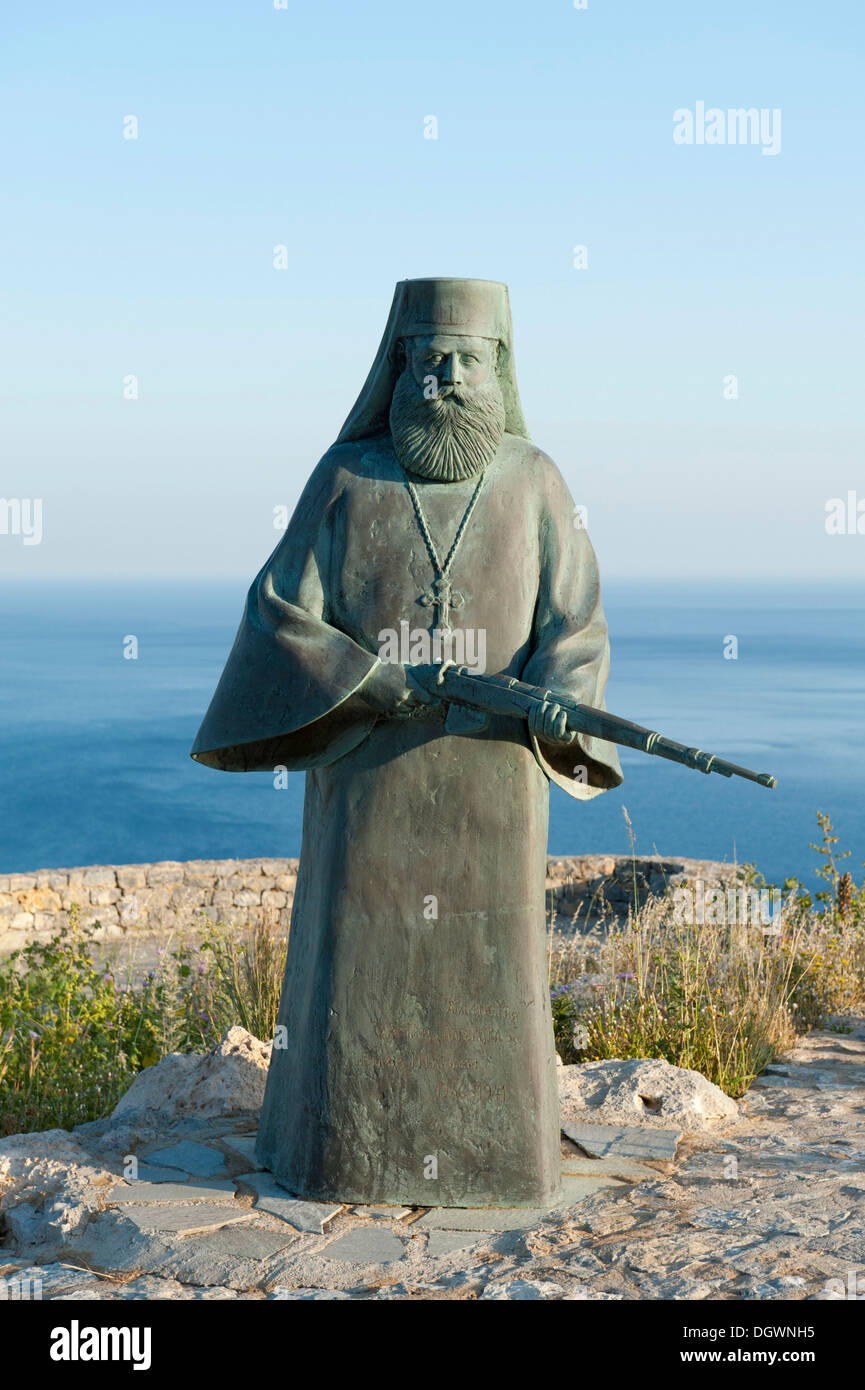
(417, 1063)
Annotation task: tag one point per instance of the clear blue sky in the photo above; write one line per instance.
(305, 127)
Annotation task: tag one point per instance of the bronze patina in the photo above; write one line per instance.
(414, 1059)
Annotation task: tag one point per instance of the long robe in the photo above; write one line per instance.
(415, 1060)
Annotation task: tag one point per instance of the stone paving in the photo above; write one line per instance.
(767, 1205)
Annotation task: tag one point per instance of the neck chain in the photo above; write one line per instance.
(442, 596)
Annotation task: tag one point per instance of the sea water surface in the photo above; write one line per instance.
(94, 747)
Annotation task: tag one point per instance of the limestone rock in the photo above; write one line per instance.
(307, 1295)
(227, 1081)
(583, 1295)
(230, 1080)
(642, 1091)
(158, 1088)
(57, 1219)
(48, 1164)
(522, 1289)
(49, 1187)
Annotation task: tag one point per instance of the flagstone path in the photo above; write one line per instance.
(771, 1206)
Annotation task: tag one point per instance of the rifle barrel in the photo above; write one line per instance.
(506, 695)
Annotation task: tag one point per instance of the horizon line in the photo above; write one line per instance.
(679, 577)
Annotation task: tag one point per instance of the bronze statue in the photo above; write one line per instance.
(414, 1059)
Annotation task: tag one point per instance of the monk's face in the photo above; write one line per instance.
(447, 416)
(453, 361)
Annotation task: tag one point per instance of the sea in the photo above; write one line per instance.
(94, 743)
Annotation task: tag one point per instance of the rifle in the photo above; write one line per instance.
(505, 695)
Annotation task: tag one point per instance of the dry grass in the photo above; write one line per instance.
(721, 997)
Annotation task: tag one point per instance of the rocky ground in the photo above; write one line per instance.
(671, 1192)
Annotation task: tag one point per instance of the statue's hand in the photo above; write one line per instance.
(387, 692)
(548, 723)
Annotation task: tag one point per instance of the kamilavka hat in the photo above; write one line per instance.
(473, 308)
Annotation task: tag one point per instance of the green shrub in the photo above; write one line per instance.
(73, 1038)
(721, 999)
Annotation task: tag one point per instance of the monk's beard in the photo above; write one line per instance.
(451, 436)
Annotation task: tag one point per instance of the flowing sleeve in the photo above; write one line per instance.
(570, 644)
(288, 694)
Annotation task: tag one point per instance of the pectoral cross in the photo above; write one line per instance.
(442, 598)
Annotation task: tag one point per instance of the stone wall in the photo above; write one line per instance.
(588, 887)
(144, 899)
(152, 899)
